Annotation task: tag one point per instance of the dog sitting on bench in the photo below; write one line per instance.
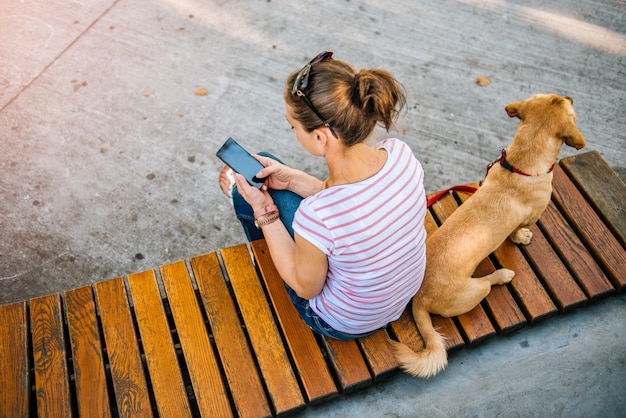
(514, 194)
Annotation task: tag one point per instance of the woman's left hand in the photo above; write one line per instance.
(256, 198)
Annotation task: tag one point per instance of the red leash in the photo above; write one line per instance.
(468, 189)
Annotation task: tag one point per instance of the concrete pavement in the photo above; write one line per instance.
(107, 144)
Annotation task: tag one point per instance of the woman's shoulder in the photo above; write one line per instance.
(392, 144)
(396, 148)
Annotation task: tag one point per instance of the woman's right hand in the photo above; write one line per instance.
(278, 175)
(282, 177)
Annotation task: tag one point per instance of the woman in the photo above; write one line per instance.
(351, 248)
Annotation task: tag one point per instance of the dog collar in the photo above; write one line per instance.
(504, 163)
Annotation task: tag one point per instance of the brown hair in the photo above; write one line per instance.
(352, 103)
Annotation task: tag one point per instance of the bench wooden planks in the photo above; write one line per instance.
(532, 297)
(130, 385)
(50, 366)
(602, 188)
(352, 372)
(165, 375)
(201, 363)
(573, 253)
(378, 354)
(89, 371)
(98, 350)
(236, 356)
(313, 370)
(596, 236)
(281, 382)
(14, 364)
(554, 276)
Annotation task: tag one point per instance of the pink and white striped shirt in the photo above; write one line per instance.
(373, 234)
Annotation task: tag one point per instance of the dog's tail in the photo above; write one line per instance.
(433, 358)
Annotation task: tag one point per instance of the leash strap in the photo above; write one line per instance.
(468, 189)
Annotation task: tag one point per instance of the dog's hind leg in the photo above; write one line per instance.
(500, 276)
(474, 290)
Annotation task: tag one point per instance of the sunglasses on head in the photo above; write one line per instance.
(302, 82)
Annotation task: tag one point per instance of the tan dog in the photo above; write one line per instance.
(513, 195)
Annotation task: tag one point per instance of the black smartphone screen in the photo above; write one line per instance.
(240, 160)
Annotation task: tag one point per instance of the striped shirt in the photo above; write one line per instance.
(374, 237)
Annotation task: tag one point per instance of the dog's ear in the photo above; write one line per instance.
(572, 137)
(570, 133)
(513, 109)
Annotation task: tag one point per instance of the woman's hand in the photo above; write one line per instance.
(256, 198)
(281, 177)
(278, 175)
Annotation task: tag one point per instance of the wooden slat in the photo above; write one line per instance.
(348, 363)
(571, 250)
(158, 347)
(278, 375)
(475, 324)
(378, 354)
(554, 275)
(499, 304)
(50, 359)
(405, 330)
(204, 371)
(309, 360)
(14, 368)
(594, 233)
(243, 378)
(447, 328)
(531, 295)
(602, 187)
(89, 376)
(129, 381)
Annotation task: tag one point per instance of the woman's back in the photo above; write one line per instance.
(373, 234)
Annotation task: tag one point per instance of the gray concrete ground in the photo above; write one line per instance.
(107, 149)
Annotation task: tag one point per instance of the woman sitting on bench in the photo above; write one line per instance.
(351, 248)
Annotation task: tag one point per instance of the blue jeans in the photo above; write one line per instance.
(287, 203)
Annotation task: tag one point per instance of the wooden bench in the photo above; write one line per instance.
(216, 335)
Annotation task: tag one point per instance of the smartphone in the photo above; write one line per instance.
(240, 160)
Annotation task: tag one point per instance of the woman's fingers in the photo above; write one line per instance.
(252, 195)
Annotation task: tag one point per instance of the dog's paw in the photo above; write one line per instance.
(507, 275)
(522, 236)
(501, 276)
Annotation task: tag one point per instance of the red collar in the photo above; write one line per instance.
(504, 163)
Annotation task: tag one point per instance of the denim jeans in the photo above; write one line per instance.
(316, 323)
(287, 203)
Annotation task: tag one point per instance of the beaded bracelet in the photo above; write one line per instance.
(267, 209)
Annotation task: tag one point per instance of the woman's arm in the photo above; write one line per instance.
(300, 264)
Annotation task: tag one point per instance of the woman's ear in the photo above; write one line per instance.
(322, 135)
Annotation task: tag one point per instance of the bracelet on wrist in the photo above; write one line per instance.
(266, 219)
(265, 210)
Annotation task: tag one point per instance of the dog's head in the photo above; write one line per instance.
(552, 113)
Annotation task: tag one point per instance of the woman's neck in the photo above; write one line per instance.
(348, 165)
